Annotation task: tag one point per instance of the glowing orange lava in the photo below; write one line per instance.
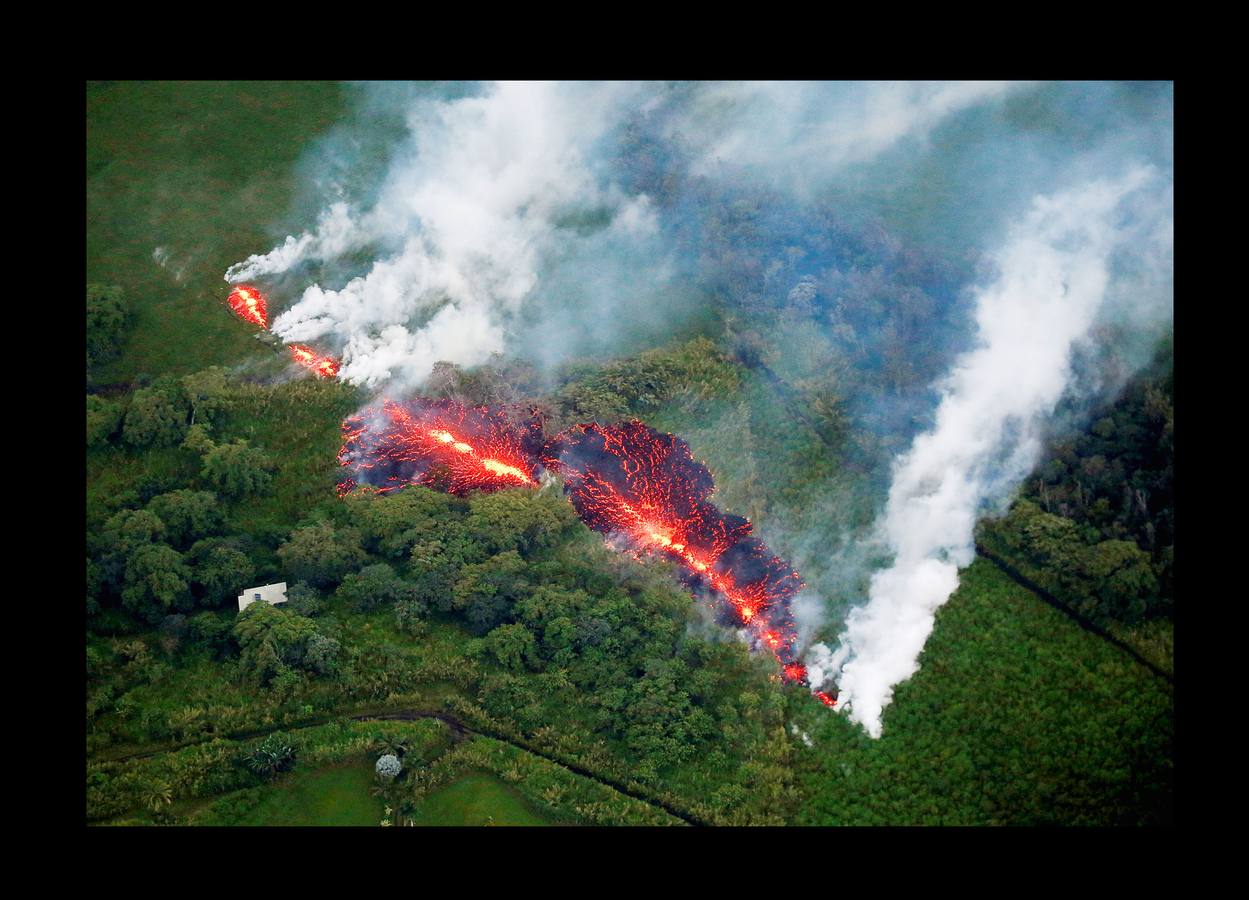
(630, 480)
(419, 442)
(322, 366)
(626, 481)
(249, 305)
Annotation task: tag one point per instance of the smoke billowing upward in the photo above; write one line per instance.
(1053, 275)
(467, 219)
(931, 265)
(515, 218)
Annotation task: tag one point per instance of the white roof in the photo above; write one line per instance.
(270, 593)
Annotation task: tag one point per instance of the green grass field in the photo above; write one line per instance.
(336, 795)
(476, 800)
(1016, 716)
(205, 173)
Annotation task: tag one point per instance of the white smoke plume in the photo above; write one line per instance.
(471, 221)
(800, 131)
(1054, 272)
(472, 212)
(336, 233)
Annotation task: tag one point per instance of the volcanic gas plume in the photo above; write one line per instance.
(629, 481)
(437, 443)
(248, 303)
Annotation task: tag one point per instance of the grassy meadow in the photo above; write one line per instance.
(184, 179)
(1016, 716)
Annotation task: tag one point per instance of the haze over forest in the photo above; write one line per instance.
(918, 333)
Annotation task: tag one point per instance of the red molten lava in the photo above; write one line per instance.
(322, 366)
(249, 305)
(630, 480)
(438, 443)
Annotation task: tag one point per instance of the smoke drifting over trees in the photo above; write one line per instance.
(1053, 275)
(961, 257)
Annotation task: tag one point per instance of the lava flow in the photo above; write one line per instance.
(437, 443)
(249, 305)
(630, 480)
(322, 366)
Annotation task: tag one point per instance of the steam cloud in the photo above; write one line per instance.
(505, 222)
(1054, 272)
(474, 210)
(472, 220)
(785, 128)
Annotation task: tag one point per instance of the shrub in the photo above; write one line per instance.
(389, 767)
(272, 756)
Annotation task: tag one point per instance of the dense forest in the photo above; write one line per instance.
(500, 608)
(492, 643)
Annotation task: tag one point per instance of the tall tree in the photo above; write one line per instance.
(157, 416)
(188, 515)
(321, 554)
(237, 469)
(106, 322)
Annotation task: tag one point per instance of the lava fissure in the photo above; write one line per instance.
(625, 480)
(628, 479)
(321, 366)
(250, 305)
(437, 443)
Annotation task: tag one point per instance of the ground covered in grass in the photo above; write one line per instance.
(1016, 716)
(475, 800)
(183, 179)
(336, 795)
(588, 687)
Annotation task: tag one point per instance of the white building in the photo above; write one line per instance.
(270, 593)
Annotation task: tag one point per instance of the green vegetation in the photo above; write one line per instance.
(337, 795)
(579, 685)
(106, 323)
(1096, 525)
(1113, 482)
(475, 800)
(1033, 721)
(184, 178)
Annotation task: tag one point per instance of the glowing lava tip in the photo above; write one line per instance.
(249, 305)
(321, 366)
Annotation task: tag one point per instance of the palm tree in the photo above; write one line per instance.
(271, 756)
(384, 743)
(157, 796)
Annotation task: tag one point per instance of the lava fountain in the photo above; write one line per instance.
(321, 366)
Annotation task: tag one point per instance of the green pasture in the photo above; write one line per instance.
(183, 180)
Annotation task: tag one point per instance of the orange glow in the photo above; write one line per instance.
(628, 480)
(249, 305)
(321, 366)
(419, 437)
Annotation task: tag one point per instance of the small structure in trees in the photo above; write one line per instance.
(272, 594)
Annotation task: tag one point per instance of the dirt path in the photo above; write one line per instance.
(459, 732)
